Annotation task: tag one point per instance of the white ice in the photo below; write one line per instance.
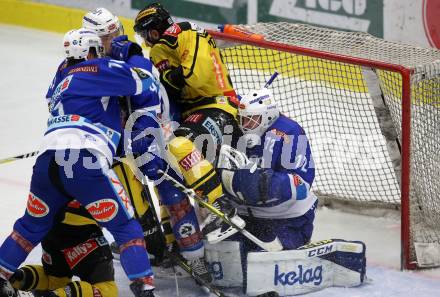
(28, 60)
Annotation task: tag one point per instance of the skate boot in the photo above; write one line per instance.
(143, 287)
(216, 229)
(198, 266)
(6, 289)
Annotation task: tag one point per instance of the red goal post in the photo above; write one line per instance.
(371, 110)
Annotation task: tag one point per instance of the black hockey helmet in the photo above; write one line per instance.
(153, 16)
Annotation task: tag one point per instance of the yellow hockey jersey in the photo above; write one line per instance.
(205, 79)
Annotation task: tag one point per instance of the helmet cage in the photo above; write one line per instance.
(257, 111)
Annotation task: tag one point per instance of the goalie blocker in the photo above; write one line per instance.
(313, 267)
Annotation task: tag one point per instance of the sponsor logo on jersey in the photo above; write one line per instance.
(103, 210)
(297, 180)
(76, 254)
(184, 55)
(141, 73)
(194, 118)
(63, 119)
(190, 160)
(91, 68)
(298, 276)
(174, 30)
(213, 129)
(46, 257)
(36, 207)
(163, 65)
(122, 194)
(281, 134)
(218, 71)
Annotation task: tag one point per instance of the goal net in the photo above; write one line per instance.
(371, 111)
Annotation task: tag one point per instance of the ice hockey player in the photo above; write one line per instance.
(182, 214)
(80, 142)
(194, 75)
(270, 179)
(75, 246)
(274, 186)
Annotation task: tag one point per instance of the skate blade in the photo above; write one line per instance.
(219, 235)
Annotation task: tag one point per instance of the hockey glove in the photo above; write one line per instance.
(149, 155)
(250, 186)
(122, 48)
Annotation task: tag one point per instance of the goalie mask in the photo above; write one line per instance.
(78, 43)
(257, 112)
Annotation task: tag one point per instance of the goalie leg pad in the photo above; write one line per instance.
(310, 268)
(225, 260)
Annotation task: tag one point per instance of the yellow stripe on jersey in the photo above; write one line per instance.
(77, 220)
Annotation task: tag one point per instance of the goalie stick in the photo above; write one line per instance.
(173, 256)
(272, 246)
(19, 157)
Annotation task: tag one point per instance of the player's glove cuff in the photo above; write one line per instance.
(123, 49)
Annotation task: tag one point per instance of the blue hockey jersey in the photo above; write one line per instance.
(84, 107)
(285, 149)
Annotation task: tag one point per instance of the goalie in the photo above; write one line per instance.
(273, 188)
(270, 179)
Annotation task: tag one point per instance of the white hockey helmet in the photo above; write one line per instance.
(77, 43)
(102, 21)
(257, 111)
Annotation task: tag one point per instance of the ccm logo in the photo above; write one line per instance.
(320, 251)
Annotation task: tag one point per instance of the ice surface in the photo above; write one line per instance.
(28, 60)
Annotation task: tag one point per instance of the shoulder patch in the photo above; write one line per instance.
(174, 30)
(163, 65)
(280, 134)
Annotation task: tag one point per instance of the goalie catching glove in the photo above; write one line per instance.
(251, 185)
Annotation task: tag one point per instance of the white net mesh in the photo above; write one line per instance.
(353, 115)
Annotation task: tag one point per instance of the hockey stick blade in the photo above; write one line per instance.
(19, 157)
(272, 246)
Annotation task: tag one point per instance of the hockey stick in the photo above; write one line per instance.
(271, 79)
(173, 256)
(19, 157)
(272, 246)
